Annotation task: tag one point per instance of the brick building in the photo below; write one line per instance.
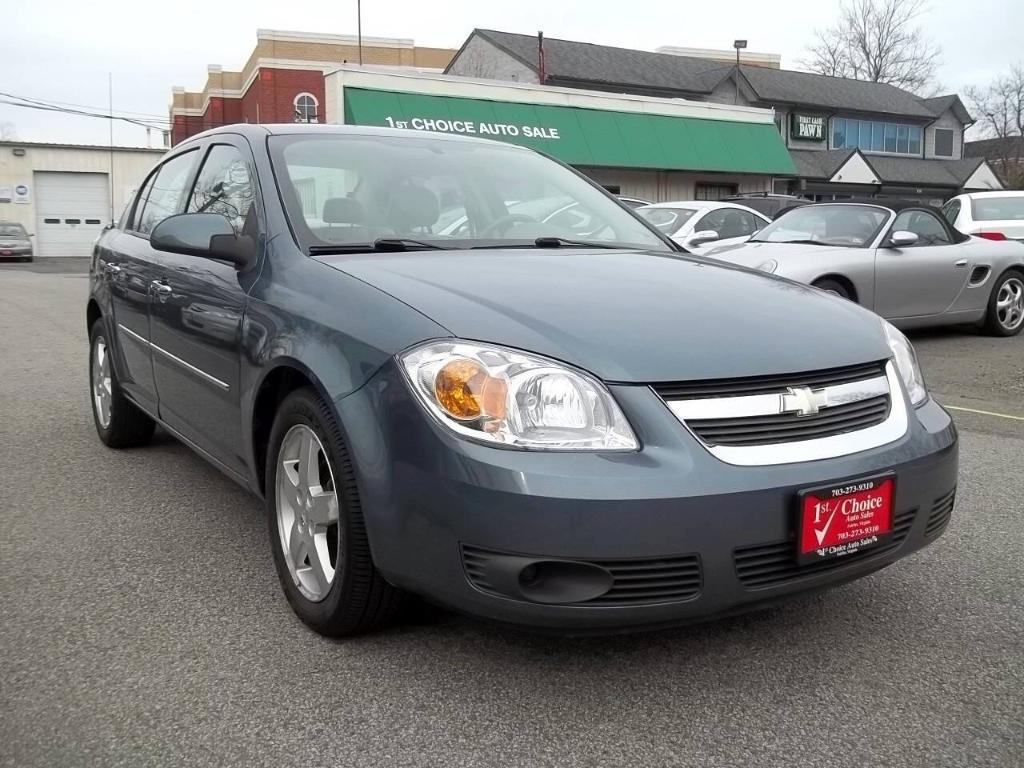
(283, 79)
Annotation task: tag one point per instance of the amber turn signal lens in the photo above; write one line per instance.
(466, 391)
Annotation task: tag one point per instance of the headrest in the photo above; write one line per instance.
(342, 210)
(413, 206)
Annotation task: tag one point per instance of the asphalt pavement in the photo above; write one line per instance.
(141, 623)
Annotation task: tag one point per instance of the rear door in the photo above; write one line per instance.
(196, 312)
(126, 262)
(922, 279)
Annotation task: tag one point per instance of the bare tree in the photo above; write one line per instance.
(880, 41)
(999, 109)
(7, 131)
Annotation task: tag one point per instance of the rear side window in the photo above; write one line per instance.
(998, 208)
(224, 186)
(166, 192)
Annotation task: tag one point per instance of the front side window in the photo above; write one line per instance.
(224, 186)
(925, 225)
(306, 107)
(349, 190)
(852, 226)
(727, 222)
(166, 192)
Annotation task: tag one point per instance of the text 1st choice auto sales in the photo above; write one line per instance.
(470, 127)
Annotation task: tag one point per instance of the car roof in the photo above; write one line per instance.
(261, 130)
(701, 205)
(892, 205)
(995, 193)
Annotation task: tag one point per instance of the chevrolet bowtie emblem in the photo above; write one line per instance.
(802, 401)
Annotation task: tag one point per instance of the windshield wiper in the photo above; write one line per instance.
(380, 245)
(553, 242)
(789, 242)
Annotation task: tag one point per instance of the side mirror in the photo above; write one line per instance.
(902, 238)
(206, 235)
(702, 237)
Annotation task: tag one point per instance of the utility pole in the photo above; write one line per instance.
(110, 107)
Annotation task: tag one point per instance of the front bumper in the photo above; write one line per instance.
(686, 536)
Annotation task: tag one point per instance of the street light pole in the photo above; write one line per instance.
(738, 45)
(359, 29)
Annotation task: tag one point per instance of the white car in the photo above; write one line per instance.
(992, 215)
(699, 225)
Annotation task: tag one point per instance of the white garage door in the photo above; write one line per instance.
(71, 211)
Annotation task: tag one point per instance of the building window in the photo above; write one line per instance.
(876, 136)
(943, 142)
(704, 191)
(306, 108)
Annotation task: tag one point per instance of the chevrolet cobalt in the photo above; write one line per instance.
(568, 423)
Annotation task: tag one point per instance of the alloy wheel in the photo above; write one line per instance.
(1010, 304)
(102, 388)
(307, 512)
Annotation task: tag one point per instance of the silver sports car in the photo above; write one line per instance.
(903, 260)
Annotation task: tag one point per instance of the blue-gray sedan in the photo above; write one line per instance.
(562, 421)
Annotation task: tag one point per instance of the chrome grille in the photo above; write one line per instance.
(780, 419)
(786, 427)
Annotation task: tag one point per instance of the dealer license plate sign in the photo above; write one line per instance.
(841, 520)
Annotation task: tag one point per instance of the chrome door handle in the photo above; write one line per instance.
(960, 264)
(162, 290)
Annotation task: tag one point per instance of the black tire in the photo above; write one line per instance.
(358, 599)
(128, 426)
(834, 286)
(993, 326)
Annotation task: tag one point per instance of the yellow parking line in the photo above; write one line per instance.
(985, 413)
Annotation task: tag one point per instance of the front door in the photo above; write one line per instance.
(127, 265)
(922, 279)
(196, 314)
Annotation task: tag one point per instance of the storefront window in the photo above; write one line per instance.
(876, 136)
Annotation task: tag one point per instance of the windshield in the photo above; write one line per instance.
(353, 189)
(668, 220)
(998, 208)
(853, 226)
(12, 230)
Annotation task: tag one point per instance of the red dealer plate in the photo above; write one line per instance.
(839, 520)
(5, 253)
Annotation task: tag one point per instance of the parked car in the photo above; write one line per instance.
(633, 202)
(767, 203)
(901, 259)
(519, 424)
(15, 242)
(991, 215)
(699, 225)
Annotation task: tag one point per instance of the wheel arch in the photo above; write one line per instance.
(281, 379)
(843, 280)
(92, 314)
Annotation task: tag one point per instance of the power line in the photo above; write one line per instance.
(53, 102)
(45, 107)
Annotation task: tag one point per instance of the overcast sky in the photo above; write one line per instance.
(63, 50)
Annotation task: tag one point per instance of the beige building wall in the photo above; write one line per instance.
(130, 167)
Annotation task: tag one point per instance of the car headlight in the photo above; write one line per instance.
(515, 399)
(768, 266)
(906, 363)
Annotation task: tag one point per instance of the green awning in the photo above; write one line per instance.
(583, 136)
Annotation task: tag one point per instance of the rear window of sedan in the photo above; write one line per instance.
(998, 208)
(668, 220)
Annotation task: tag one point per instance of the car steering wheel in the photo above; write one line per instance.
(503, 223)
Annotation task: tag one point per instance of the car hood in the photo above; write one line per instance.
(755, 254)
(628, 316)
